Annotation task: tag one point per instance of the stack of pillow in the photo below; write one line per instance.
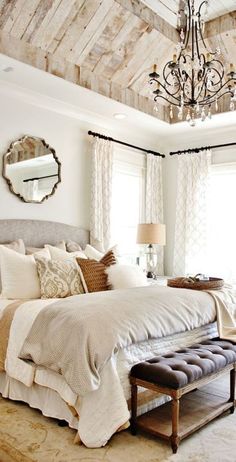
(61, 271)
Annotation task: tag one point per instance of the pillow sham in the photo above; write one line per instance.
(94, 277)
(72, 246)
(30, 250)
(58, 279)
(126, 276)
(17, 245)
(58, 254)
(19, 275)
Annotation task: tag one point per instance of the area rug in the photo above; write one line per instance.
(27, 436)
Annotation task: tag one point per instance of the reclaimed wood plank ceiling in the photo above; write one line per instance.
(108, 46)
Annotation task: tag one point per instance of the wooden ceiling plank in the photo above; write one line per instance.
(5, 10)
(36, 21)
(120, 58)
(133, 62)
(225, 23)
(25, 17)
(104, 45)
(137, 8)
(13, 15)
(92, 31)
(73, 33)
(38, 36)
(55, 23)
(66, 25)
(129, 24)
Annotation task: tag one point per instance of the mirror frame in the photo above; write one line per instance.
(4, 174)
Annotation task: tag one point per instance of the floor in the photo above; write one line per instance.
(27, 436)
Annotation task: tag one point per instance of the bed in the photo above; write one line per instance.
(99, 406)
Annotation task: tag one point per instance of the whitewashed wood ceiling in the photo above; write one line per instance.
(108, 46)
(168, 9)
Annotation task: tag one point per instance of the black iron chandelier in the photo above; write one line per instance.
(194, 80)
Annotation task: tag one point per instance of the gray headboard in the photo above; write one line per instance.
(36, 233)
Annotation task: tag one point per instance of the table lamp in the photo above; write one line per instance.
(151, 233)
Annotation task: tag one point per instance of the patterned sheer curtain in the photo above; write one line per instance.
(101, 192)
(191, 213)
(154, 201)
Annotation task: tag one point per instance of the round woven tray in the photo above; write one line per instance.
(185, 283)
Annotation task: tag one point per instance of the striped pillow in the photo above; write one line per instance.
(94, 277)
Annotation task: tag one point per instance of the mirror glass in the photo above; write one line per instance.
(31, 169)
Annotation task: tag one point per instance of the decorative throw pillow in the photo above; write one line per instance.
(17, 245)
(58, 254)
(19, 275)
(126, 276)
(94, 276)
(72, 246)
(58, 279)
(30, 250)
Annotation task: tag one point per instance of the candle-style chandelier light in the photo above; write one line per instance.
(195, 79)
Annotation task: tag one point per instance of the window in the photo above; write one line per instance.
(222, 222)
(128, 201)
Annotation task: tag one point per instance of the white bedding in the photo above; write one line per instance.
(98, 424)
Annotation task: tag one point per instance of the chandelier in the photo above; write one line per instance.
(195, 79)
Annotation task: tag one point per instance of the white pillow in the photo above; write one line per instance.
(94, 254)
(30, 250)
(19, 275)
(126, 276)
(58, 254)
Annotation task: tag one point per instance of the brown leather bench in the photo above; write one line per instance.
(176, 374)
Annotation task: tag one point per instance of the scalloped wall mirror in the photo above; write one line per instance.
(31, 169)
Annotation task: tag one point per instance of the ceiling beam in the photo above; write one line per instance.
(221, 25)
(155, 21)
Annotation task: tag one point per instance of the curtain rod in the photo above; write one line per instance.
(189, 151)
(38, 178)
(108, 138)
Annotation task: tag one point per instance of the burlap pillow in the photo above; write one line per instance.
(94, 277)
(58, 279)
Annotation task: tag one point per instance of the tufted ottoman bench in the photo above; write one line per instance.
(177, 374)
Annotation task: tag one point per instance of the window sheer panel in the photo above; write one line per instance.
(128, 202)
(221, 254)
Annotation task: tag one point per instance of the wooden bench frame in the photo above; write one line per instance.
(176, 395)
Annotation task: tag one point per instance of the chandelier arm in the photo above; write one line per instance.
(165, 99)
(167, 91)
(211, 101)
(219, 82)
(197, 45)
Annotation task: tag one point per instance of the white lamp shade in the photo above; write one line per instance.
(151, 233)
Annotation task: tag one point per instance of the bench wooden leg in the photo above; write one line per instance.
(232, 390)
(133, 423)
(175, 425)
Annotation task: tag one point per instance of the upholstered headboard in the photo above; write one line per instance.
(36, 233)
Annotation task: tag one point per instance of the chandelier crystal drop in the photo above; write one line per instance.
(195, 79)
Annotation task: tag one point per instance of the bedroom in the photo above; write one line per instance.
(52, 93)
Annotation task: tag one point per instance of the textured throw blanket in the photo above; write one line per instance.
(79, 336)
(5, 325)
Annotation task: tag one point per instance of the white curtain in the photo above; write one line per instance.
(30, 190)
(101, 191)
(154, 201)
(191, 213)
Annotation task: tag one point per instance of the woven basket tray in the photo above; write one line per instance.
(185, 283)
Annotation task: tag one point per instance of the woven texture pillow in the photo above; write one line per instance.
(58, 279)
(94, 276)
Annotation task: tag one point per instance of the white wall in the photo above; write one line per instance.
(20, 114)
(189, 139)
